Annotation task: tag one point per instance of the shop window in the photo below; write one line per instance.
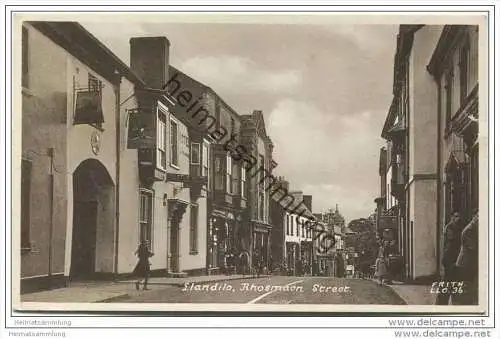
(146, 217)
(25, 204)
(193, 230)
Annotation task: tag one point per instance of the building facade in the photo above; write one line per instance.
(431, 164)
(455, 68)
(143, 175)
(258, 164)
(409, 228)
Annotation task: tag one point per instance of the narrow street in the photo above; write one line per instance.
(275, 290)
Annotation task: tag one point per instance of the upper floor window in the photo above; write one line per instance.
(219, 172)
(205, 169)
(174, 144)
(236, 179)
(229, 174)
(448, 87)
(25, 58)
(261, 172)
(161, 137)
(243, 179)
(287, 225)
(195, 153)
(464, 59)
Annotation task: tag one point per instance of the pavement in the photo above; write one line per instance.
(274, 290)
(106, 291)
(241, 289)
(414, 294)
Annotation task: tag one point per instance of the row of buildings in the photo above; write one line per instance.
(113, 155)
(429, 167)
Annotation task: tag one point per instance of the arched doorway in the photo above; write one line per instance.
(93, 237)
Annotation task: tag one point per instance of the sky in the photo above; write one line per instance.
(324, 90)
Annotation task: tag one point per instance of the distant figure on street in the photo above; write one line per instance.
(467, 264)
(142, 268)
(451, 247)
(380, 268)
(244, 262)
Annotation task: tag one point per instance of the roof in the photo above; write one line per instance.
(291, 203)
(74, 38)
(208, 89)
(80, 43)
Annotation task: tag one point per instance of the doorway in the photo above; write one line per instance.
(83, 250)
(93, 238)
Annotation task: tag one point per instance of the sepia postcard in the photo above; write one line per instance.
(250, 162)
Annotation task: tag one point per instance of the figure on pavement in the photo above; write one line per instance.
(451, 248)
(380, 268)
(467, 264)
(141, 270)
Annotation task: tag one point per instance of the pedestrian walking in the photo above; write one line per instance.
(380, 268)
(141, 270)
(467, 264)
(451, 248)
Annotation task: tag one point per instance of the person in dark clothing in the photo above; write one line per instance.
(467, 264)
(142, 268)
(451, 248)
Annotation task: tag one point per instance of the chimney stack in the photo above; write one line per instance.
(149, 59)
(307, 199)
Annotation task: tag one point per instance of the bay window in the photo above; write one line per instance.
(161, 137)
(219, 172)
(195, 159)
(174, 145)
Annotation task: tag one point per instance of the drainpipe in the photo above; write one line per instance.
(439, 182)
(117, 168)
(51, 208)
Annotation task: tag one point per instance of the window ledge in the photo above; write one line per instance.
(193, 253)
(175, 166)
(26, 91)
(91, 125)
(28, 250)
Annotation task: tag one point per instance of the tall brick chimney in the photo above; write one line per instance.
(149, 59)
(307, 199)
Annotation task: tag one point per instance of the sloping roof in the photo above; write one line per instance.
(207, 88)
(291, 204)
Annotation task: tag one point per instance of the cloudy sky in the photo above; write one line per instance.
(324, 90)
